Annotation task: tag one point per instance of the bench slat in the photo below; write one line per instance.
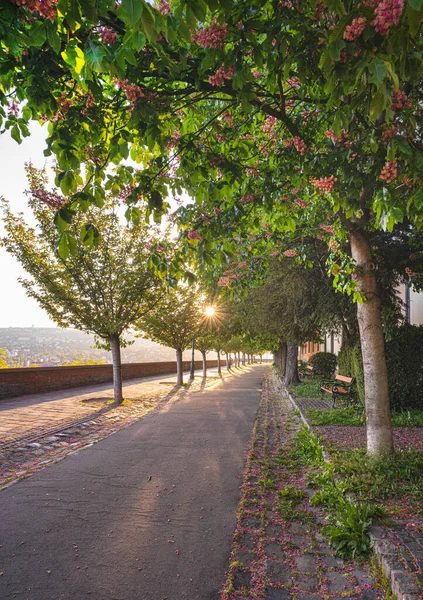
(343, 378)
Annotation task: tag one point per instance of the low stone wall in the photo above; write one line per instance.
(28, 380)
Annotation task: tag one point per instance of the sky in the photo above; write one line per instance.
(16, 309)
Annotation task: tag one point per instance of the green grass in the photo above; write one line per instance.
(306, 389)
(289, 498)
(352, 417)
(336, 416)
(377, 480)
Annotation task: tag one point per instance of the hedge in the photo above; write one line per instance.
(323, 363)
(404, 361)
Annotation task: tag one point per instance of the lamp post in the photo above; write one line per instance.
(208, 314)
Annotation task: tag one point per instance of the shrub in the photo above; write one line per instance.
(323, 363)
(345, 361)
(404, 358)
(350, 364)
(358, 372)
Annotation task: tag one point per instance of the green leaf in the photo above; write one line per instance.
(89, 235)
(63, 218)
(37, 34)
(94, 56)
(416, 4)
(66, 181)
(63, 247)
(135, 39)
(74, 56)
(132, 10)
(377, 104)
(335, 49)
(338, 30)
(155, 200)
(89, 8)
(392, 74)
(53, 37)
(15, 133)
(147, 20)
(377, 71)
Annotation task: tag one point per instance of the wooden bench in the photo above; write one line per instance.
(308, 372)
(346, 389)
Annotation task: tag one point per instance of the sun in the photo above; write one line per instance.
(209, 311)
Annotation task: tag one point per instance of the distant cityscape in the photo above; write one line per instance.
(51, 347)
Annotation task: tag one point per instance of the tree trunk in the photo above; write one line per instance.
(203, 354)
(227, 361)
(219, 365)
(283, 350)
(179, 367)
(291, 368)
(239, 359)
(378, 415)
(117, 369)
(243, 358)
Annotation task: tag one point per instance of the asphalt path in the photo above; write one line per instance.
(146, 514)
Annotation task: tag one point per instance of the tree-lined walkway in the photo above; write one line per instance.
(26, 414)
(146, 513)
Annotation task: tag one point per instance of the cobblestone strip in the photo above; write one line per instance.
(278, 551)
(398, 549)
(21, 458)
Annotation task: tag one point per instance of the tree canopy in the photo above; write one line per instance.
(276, 117)
(102, 290)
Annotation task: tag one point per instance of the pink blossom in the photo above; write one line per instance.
(293, 81)
(332, 136)
(299, 145)
(325, 184)
(45, 8)
(212, 36)
(107, 35)
(387, 14)
(12, 108)
(132, 90)
(224, 282)
(221, 74)
(51, 198)
(410, 272)
(248, 199)
(252, 172)
(229, 119)
(389, 171)
(389, 132)
(290, 253)
(327, 228)
(193, 234)
(353, 32)
(163, 7)
(269, 125)
(399, 101)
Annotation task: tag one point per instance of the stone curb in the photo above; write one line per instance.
(403, 583)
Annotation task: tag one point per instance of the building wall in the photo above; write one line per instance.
(416, 308)
(19, 382)
(333, 344)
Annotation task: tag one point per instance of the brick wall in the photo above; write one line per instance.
(19, 382)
